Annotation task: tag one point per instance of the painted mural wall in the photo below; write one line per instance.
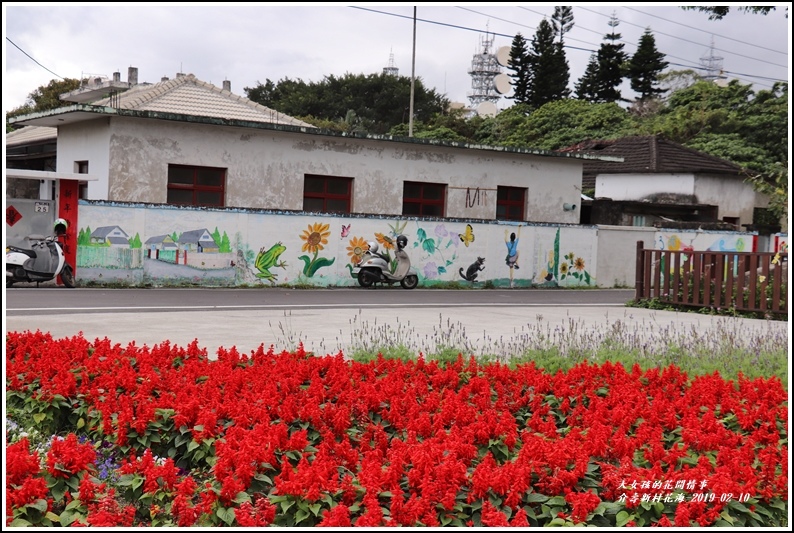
(146, 245)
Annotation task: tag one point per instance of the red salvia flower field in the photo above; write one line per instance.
(292, 439)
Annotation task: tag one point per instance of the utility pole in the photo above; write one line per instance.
(413, 77)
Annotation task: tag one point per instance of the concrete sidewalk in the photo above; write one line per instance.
(476, 330)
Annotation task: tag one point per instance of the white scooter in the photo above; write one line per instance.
(376, 268)
(44, 261)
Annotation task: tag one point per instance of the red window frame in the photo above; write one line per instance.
(510, 203)
(424, 199)
(327, 194)
(181, 187)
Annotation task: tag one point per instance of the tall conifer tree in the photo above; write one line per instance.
(606, 70)
(548, 68)
(518, 65)
(645, 66)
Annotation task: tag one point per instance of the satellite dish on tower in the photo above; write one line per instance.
(487, 109)
(501, 83)
(503, 55)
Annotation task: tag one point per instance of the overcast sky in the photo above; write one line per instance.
(247, 43)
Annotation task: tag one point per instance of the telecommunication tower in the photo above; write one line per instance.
(712, 64)
(484, 68)
(391, 70)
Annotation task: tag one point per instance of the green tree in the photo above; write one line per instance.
(611, 65)
(548, 68)
(368, 103)
(225, 245)
(719, 12)
(567, 122)
(135, 242)
(518, 66)
(45, 98)
(645, 66)
(562, 21)
(587, 86)
(736, 124)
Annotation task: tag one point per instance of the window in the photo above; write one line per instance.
(326, 194)
(510, 203)
(732, 220)
(81, 167)
(423, 199)
(196, 185)
(638, 220)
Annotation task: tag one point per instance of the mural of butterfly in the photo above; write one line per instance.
(345, 230)
(467, 237)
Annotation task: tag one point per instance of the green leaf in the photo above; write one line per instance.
(534, 497)
(192, 446)
(68, 517)
(226, 515)
(315, 509)
(137, 482)
(19, 522)
(556, 501)
(39, 417)
(429, 245)
(623, 518)
(557, 522)
(301, 515)
(242, 497)
(39, 505)
(421, 235)
(80, 423)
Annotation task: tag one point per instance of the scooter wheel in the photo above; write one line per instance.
(366, 279)
(409, 282)
(67, 276)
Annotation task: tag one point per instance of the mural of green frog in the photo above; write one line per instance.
(265, 260)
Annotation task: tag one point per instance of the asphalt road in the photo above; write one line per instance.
(327, 321)
(55, 300)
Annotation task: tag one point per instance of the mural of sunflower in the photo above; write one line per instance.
(315, 237)
(385, 240)
(356, 249)
(579, 264)
(564, 268)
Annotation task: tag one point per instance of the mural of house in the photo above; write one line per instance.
(187, 142)
(160, 242)
(199, 241)
(663, 184)
(110, 235)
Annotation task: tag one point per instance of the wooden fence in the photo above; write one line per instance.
(742, 281)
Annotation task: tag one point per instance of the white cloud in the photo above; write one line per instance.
(248, 43)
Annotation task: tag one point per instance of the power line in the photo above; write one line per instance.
(704, 31)
(688, 41)
(39, 64)
(686, 63)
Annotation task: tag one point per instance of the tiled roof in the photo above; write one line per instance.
(187, 95)
(651, 154)
(31, 135)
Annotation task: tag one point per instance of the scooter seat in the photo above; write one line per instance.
(24, 251)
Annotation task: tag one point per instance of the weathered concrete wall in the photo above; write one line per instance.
(262, 247)
(638, 186)
(266, 168)
(86, 141)
(734, 196)
(617, 246)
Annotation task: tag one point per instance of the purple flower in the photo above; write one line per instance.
(441, 231)
(430, 270)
